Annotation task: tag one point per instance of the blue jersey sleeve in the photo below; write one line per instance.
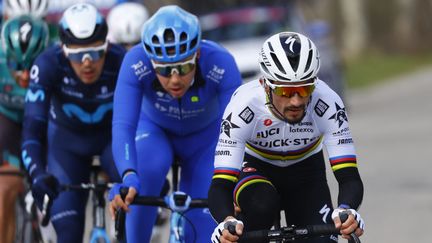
(127, 105)
(219, 66)
(37, 102)
(231, 83)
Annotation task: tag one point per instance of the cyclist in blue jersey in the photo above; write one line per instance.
(68, 113)
(23, 38)
(168, 103)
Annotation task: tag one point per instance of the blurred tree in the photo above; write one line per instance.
(354, 31)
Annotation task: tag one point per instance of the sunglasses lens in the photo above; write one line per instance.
(164, 71)
(182, 69)
(303, 91)
(81, 56)
(186, 68)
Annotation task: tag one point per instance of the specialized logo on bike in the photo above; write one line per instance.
(227, 125)
(90, 118)
(339, 116)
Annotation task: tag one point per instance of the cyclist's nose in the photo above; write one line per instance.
(174, 78)
(296, 100)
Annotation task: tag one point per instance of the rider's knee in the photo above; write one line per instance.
(259, 202)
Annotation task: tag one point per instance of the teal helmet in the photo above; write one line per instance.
(23, 38)
(171, 34)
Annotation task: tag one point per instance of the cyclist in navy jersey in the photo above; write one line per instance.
(168, 103)
(68, 114)
(269, 156)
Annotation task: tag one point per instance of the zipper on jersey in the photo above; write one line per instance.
(180, 108)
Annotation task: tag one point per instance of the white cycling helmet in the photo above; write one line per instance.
(125, 22)
(35, 8)
(289, 57)
(82, 24)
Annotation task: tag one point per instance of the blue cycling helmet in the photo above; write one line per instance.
(82, 24)
(171, 34)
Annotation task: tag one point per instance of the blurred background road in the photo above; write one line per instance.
(392, 126)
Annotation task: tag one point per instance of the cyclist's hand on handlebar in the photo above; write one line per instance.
(354, 223)
(221, 233)
(130, 181)
(44, 184)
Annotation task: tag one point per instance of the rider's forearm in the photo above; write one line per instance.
(123, 145)
(220, 199)
(350, 187)
(33, 135)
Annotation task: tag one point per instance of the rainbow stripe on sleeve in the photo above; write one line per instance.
(226, 173)
(341, 162)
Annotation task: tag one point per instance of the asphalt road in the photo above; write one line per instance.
(392, 128)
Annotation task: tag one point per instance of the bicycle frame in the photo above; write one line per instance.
(176, 228)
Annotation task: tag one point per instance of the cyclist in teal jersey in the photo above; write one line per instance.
(23, 38)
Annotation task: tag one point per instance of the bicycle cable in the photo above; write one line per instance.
(182, 215)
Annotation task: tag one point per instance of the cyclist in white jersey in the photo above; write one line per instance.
(269, 155)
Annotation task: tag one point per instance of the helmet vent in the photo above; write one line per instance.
(264, 68)
(24, 44)
(183, 36)
(155, 40)
(309, 60)
(147, 47)
(194, 42)
(183, 42)
(168, 36)
(39, 45)
(277, 62)
(10, 42)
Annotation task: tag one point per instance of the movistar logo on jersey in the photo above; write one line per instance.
(85, 117)
(35, 96)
